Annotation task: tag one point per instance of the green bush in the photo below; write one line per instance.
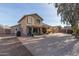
(77, 32)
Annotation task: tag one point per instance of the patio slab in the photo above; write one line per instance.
(49, 45)
(11, 46)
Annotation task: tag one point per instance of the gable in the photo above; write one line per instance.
(33, 15)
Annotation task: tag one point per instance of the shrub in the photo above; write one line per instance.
(77, 32)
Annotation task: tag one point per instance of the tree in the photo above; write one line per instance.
(69, 13)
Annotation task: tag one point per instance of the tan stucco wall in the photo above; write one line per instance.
(24, 23)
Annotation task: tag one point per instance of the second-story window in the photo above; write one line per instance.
(29, 20)
(38, 21)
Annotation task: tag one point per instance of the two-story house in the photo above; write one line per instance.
(31, 24)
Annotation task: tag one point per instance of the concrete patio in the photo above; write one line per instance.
(11, 46)
(57, 44)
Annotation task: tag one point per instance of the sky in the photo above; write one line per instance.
(10, 13)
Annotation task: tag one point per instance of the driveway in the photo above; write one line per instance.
(11, 46)
(57, 44)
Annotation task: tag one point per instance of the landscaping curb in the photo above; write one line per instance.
(8, 37)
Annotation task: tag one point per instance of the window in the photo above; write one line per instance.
(38, 21)
(29, 20)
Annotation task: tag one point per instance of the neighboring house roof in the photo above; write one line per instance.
(67, 27)
(56, 26)
(5, 26)
(46, 25)
(15, 25)
(34, 14)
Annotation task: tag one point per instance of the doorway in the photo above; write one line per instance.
(29, 33)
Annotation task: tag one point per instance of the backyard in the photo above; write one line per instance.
(57, 44)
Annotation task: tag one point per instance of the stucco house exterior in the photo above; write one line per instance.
(31, 24)
(15, 28)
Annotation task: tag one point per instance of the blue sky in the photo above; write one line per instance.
(10, 13)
